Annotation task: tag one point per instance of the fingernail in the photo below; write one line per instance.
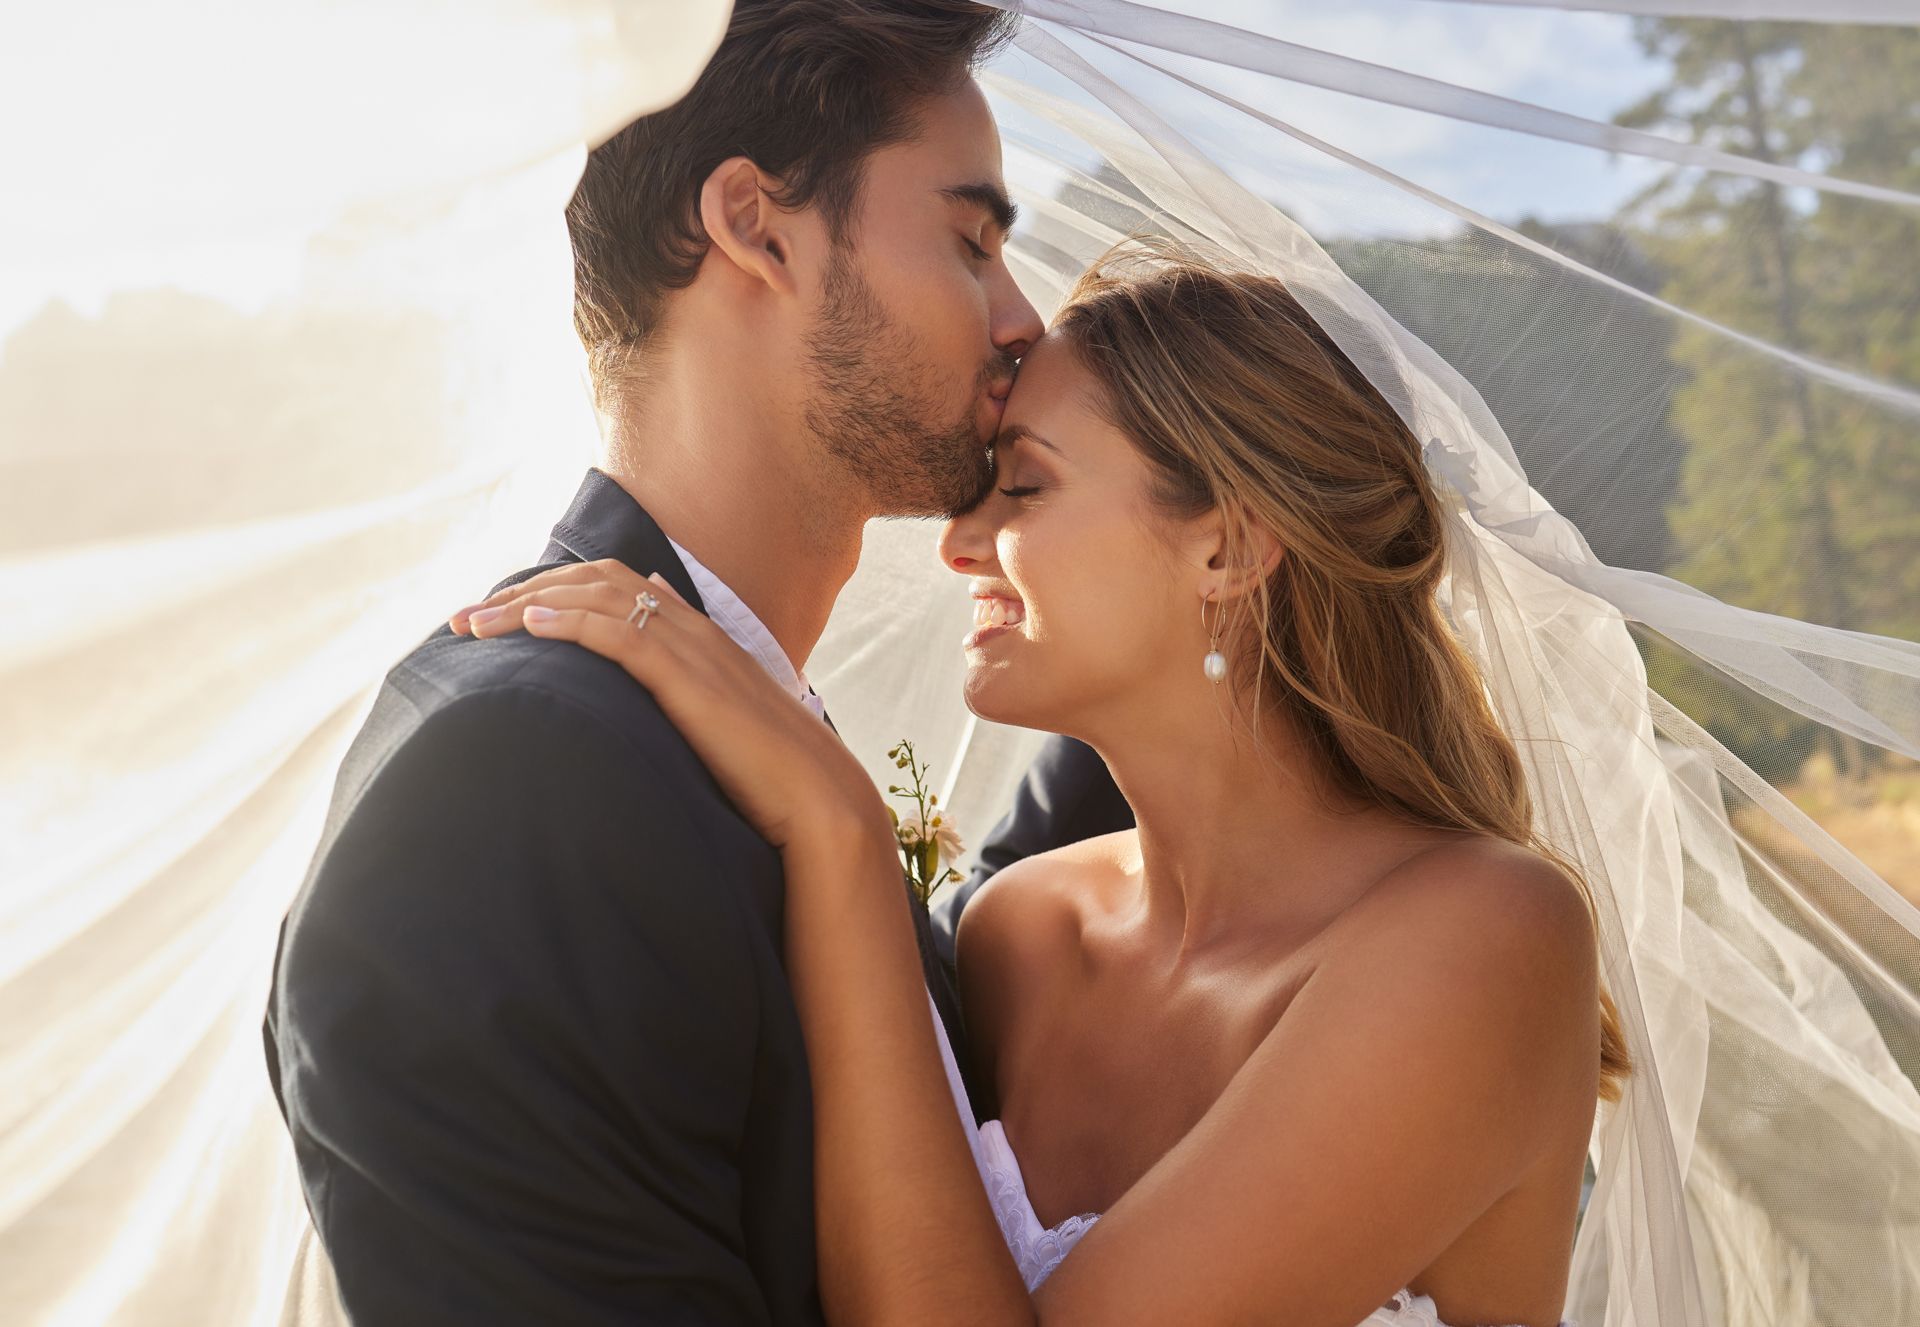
(484, 616)
(535, 613)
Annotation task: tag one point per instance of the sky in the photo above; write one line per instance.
(1585, 64)
(1582, 63)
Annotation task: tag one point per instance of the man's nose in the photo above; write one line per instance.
(1016, 324)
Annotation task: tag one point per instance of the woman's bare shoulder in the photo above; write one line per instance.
(1485, 886)
(1040, 903)
(1481, 910)
(1023, 932)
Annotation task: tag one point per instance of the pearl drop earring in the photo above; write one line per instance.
(1215, 664)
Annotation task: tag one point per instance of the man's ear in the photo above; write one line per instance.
(745, 226)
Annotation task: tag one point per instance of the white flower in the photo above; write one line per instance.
(947, 835)
(937, 829)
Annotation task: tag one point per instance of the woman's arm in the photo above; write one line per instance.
(906, 1233)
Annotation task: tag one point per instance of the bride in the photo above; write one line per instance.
(1321, 1041)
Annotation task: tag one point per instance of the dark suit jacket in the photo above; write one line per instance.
(530, 1027)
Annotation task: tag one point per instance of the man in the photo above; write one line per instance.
(529, 1028)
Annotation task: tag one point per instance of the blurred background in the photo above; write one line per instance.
(287, 374)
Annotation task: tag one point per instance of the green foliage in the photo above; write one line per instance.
(1794, 498)
(1540, 343)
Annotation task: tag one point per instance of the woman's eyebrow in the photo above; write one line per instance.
(1014, 432)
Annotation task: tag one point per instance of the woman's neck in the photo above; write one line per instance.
(1233, 834)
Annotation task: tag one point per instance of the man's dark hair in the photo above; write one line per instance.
(806, 89)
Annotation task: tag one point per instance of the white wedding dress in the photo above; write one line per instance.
(1039, 1249)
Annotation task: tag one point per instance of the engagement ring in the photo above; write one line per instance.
(644, 606)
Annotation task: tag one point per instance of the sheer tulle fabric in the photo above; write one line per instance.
(287, 374)
(1760, 1166)
(319, 388)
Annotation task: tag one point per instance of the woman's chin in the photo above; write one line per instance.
(989, 691)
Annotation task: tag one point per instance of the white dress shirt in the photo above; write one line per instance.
(748, 632)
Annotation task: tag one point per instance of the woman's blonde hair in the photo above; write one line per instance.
(1241, 402)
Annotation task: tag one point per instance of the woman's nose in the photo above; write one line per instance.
(964, 544)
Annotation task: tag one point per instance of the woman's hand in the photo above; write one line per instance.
(785, 770)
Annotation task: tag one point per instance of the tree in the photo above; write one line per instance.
(1795, 497)
(1573, 370)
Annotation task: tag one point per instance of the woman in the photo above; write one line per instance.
(1321, 1040)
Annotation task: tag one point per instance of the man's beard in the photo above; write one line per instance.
(870, 407)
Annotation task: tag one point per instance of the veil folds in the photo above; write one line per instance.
(288, 373)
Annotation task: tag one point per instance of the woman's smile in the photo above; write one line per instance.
(993, 614)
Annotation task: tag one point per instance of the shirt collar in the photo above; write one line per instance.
(747, 630)
(603, 521)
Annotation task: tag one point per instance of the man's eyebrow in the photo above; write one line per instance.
(990, 198)
(1012, 433)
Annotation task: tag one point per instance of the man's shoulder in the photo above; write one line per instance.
(526, 687)
(541, 731)
(525, 777)
(449, 673)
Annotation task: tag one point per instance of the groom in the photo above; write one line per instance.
(529, 1027)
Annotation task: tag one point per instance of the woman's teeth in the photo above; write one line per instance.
(998, 613)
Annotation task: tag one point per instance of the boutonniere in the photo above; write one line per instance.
(929, 840)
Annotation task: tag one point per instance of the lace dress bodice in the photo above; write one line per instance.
(1039, 1249)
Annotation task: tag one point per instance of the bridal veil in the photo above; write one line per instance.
(288, 373)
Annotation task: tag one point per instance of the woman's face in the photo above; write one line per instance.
(1078, 595)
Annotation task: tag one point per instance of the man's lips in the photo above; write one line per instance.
(996, 405)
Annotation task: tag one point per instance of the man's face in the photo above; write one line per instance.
(920, 324)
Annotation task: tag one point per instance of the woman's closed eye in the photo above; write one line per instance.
(1021, 491)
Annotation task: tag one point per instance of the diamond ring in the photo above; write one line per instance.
(645, 605)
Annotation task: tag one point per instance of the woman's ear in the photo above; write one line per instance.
(1229, 571)
(745, 226)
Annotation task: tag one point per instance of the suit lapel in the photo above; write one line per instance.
(605, 522)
